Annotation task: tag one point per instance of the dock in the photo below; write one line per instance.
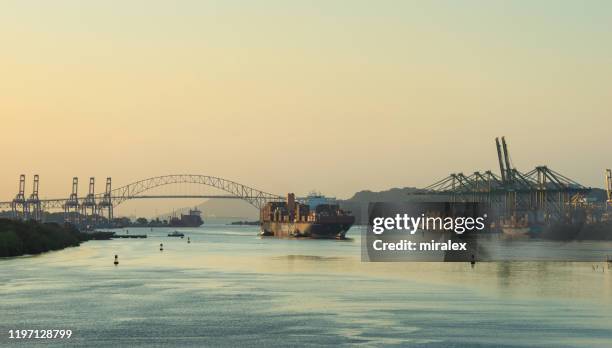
(129, 236)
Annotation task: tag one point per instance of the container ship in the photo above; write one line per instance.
(193, 219)
(319, 217)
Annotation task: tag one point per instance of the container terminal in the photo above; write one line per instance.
(526, 203)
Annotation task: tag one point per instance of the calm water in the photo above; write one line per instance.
(232, 288)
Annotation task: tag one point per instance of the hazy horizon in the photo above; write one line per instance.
(288, 97)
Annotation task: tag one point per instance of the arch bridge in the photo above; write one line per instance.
(102, 204)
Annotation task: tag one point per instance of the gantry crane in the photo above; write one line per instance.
(541, 192)
(609, 186)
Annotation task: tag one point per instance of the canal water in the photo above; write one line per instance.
(229, 287)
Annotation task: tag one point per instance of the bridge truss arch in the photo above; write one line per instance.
(253, 196)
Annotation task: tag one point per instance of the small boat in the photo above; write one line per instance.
(176, 234)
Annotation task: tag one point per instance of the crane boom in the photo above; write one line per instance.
(501, 162)
(509, 175)
(609, 185)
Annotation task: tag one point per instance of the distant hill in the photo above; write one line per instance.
(393, 194)
(396, 194)
(236, 209)
(358, 204)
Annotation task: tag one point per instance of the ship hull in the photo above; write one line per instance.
(328, 230)
(515, 231)
(187, 221)
(186, 224)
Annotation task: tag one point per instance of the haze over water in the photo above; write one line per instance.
(230, 287)
(337, 96)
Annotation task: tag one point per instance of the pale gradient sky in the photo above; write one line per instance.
(289, 96)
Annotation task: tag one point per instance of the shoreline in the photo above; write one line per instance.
(20, 238)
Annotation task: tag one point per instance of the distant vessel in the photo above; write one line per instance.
(318, 217)
(193, 219)
(514, 231)
(176, 234)
(516, 227)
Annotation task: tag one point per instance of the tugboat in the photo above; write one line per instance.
(318, 218)
(176, 234)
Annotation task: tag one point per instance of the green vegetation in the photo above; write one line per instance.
(29, 237)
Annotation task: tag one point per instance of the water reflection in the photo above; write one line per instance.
(229, 287)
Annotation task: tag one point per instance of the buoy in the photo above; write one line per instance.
(161, 246)
(188, 240)
(116, 260)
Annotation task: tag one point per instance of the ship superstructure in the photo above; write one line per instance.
(193, 219)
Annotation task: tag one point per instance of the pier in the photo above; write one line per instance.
(129, 236)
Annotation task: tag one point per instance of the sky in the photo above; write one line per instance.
(337, 96)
